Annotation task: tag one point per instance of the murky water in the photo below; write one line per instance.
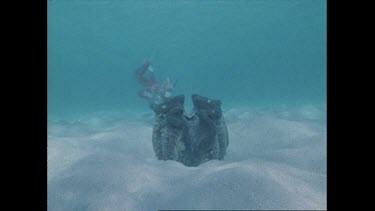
(264, 59)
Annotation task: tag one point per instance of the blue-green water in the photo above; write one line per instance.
(244, 52)
(264, 59)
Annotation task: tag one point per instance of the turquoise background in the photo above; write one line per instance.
(244, 52)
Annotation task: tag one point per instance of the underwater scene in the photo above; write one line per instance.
(186, 105)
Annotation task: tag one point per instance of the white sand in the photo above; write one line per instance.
(276, 159)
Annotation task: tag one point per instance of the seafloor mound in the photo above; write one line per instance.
(191, 140)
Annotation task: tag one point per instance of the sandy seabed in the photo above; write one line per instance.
(276, 159)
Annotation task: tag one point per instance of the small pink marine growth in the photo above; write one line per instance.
(153, 91)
